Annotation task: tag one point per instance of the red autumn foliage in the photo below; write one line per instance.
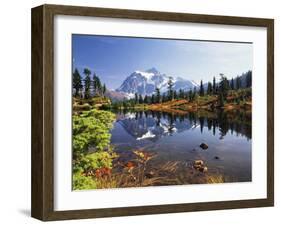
(102, 172)
(130, 165)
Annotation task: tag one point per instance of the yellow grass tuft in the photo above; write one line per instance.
(214, 179)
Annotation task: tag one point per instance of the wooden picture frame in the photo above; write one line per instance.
(42, 203)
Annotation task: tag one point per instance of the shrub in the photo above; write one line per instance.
(91, 129)
(81, 182)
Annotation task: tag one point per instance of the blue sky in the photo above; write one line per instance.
(115, 58)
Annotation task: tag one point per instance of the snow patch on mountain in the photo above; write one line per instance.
(145, 83)
(147, 75)
(147, 135)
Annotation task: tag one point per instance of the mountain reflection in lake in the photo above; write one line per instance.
(177, 138)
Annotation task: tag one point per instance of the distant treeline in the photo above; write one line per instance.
(220, 88)
(89, 86)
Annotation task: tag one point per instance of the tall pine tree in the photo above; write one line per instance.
(158, 95)
(201, 91)
(87, 81)
(76, 82)
(97, 86)
(249, 79)
(140, 99)
(223, 86)
(209, 89)
(103, 89)
(136, 98)
(170, 88)
(190, 95)
(238, 82)
(232, 84)
(181, 94)
(214, 85)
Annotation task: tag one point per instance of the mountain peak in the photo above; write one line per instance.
(145, 83)
(152, 70)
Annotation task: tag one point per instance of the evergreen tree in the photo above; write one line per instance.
(175, 95)
(194, 95)
(232, 84)
(181, 94)
(153, 99)
(190, 95)
(136, 98)
(148, 100)
(214, 85)
(76, 82)
(223, 86)
(170, 88)
(249, 79)
(140, 99)
(145, 99)
(158, 95)
(97, 86)
(87, 81)
(201, 91)
(238, 82)
(103, 89)
(209, 89)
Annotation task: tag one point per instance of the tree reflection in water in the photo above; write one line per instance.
(235, 122)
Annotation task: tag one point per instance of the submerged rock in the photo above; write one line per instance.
(198, 162)
(199, 165)
(203, 169)
(203, 146)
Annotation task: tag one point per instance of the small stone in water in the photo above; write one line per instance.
(203, 146)
(216, 157)
(203, 169)
(198, 162)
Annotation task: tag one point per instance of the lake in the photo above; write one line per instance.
(174, 140)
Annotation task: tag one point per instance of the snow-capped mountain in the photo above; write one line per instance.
(145, 83)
